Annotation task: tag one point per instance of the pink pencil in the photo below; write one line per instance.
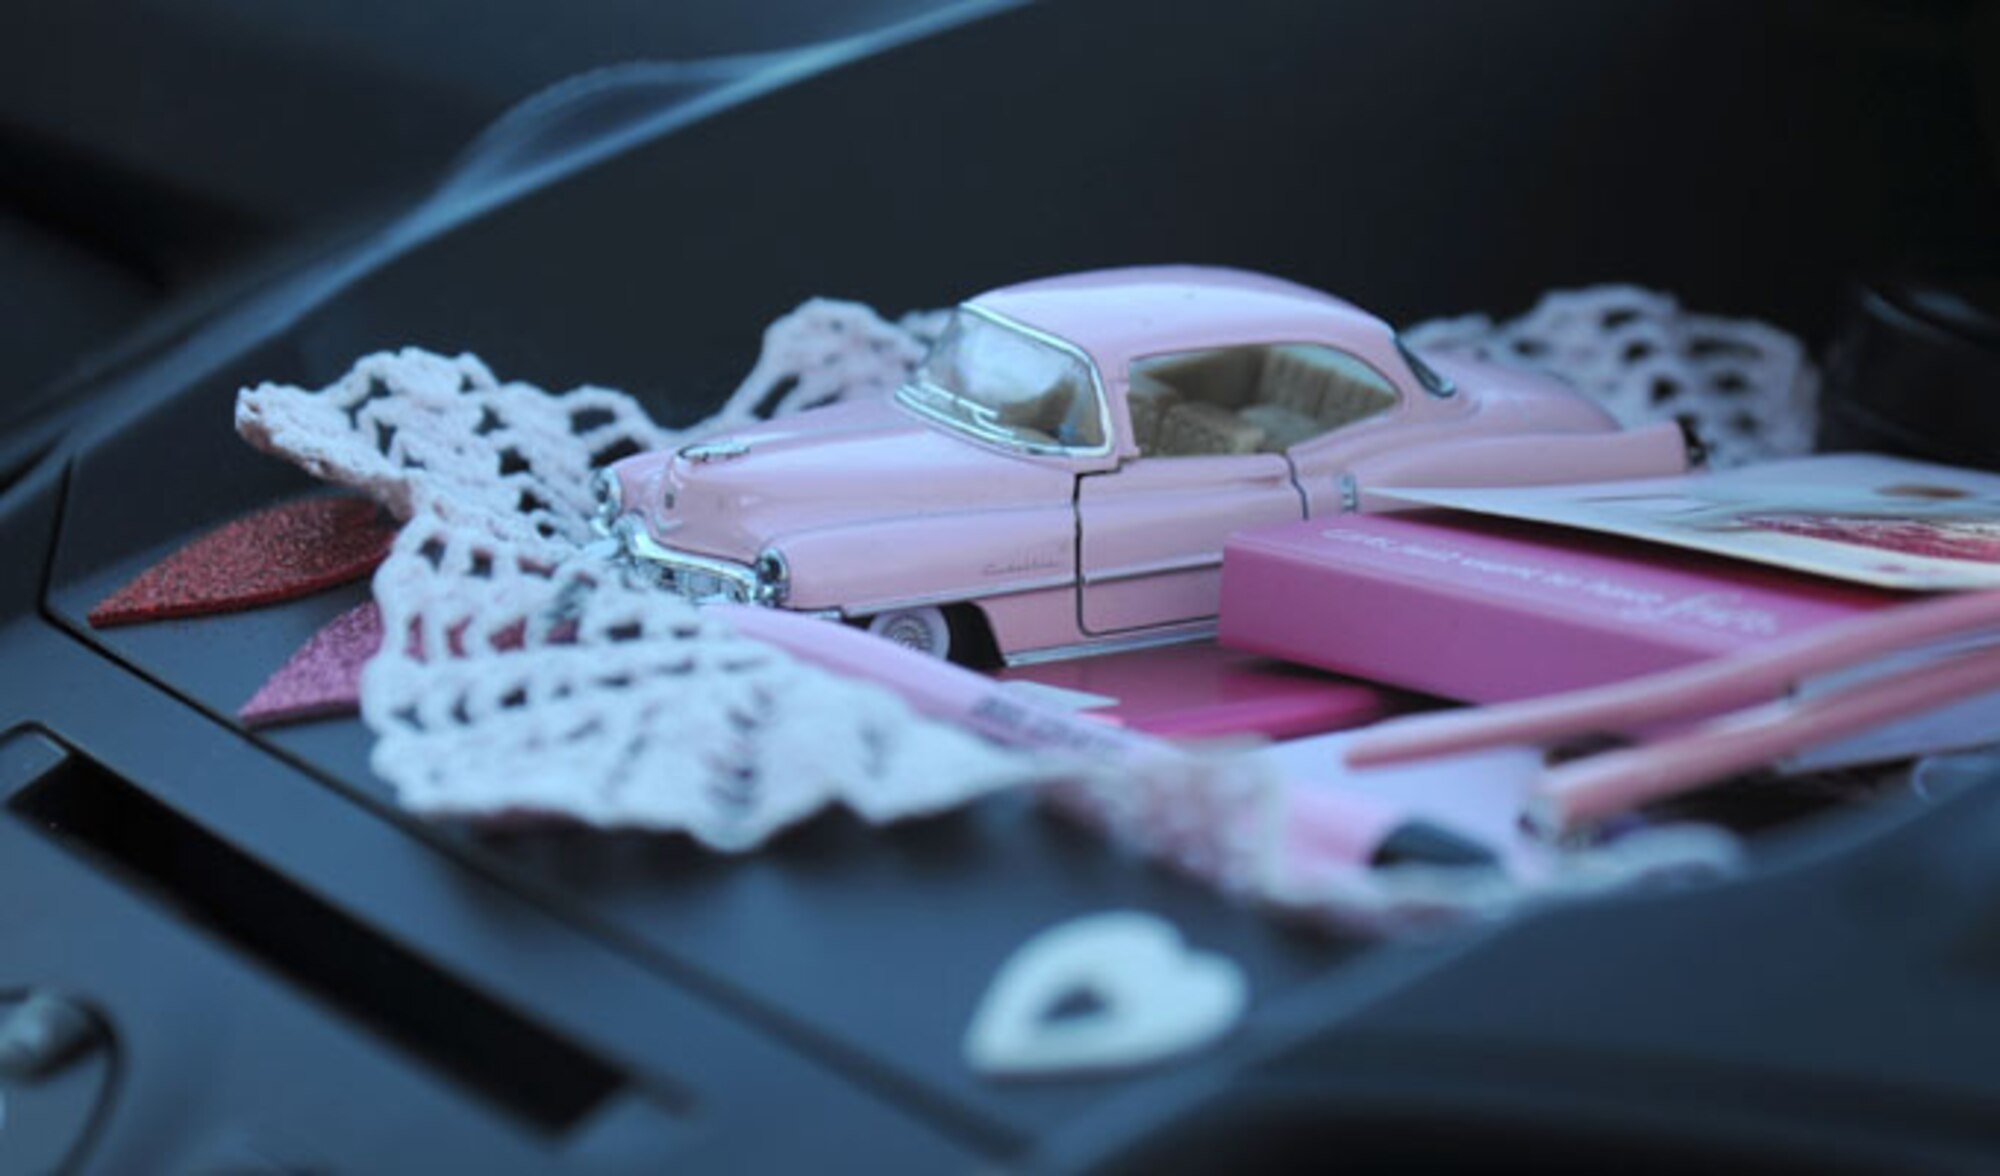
(1707, 688)
(1599, 786)
(1591, 789)
(1352, 827)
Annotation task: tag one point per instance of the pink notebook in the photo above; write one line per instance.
(1485, 611)
(1202, 691)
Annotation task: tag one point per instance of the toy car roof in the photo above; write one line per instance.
(1117, 315)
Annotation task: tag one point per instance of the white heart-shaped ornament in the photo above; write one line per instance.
(1148, 996)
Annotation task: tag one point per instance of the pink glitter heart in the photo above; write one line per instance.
(324, 677)
(283, 552)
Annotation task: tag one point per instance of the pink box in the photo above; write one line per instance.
(1485, 611)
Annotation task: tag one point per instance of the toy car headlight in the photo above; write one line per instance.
(774, 578)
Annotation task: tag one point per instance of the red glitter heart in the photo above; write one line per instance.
(324, 676)
(284, 552)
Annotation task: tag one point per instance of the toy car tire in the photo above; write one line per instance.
(926, 630)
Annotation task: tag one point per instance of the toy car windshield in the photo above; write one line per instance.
(1002, 383)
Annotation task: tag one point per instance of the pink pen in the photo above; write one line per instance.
(1350, 827)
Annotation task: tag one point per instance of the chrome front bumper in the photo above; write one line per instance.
(699, 578)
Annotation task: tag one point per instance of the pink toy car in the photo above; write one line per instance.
(1058, 476)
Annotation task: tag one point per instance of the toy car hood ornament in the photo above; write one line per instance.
(722, 449)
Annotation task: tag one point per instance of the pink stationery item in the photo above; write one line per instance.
(1350, 828)
(1843, 678)
(1481, 610)
(1480, 792)
(1203, 691)
(1591, 789)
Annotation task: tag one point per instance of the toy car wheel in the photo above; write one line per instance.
(926, 630)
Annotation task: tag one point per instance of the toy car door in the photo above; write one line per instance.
(1150, 533)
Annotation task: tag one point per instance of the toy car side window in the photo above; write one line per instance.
(1261, 399)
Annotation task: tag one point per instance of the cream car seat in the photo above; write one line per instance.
(1194, 427)
(1324, 386)
(1149, 400)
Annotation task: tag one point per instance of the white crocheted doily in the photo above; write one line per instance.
(530, 677)
(526, 673)
(1749, 388)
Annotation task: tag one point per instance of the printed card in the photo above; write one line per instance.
(1865, 518)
